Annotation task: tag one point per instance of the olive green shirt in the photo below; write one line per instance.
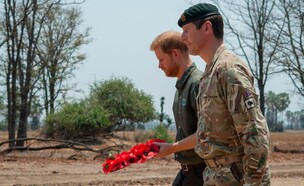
(185, 112)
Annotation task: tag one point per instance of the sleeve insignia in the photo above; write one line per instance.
(249, 102)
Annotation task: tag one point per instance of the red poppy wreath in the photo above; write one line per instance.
(137, 154)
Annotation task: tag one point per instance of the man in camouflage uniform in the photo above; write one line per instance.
(174, 60)
(232, 136)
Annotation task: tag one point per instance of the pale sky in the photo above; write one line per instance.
(122, 32)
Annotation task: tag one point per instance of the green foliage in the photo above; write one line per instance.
(112, 104)
(3, 125)
(295, 120)
(276, 103)
(77, 120)
(279, 127)
(35, 113)
(125, 103)
(2, 107)
(161, 132)
(3, 122)
(34, 123)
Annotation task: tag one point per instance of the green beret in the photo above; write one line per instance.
(196, 12)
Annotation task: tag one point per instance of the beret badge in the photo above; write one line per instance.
(196, 12)
(183, 17)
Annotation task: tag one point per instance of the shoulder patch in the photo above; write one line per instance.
(248, 98)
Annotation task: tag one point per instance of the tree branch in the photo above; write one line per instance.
(63, 144)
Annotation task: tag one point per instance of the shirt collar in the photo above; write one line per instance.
(182, 81)
(218, 52)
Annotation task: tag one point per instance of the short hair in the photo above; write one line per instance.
(217, 25)
(168, 41)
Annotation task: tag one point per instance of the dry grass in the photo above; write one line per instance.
(289, 140)
(51, 167)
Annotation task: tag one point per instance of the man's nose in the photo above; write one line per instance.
(183, 37)
(160, 65)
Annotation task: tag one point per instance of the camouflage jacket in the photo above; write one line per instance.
(230, 120)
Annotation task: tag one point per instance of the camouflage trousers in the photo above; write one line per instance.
(229, 175)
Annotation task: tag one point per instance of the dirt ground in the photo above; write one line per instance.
(56, 167)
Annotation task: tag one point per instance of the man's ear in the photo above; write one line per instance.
(175, 52)
(207, 26)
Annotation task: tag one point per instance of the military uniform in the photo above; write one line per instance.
(233, 135)
(185, 115)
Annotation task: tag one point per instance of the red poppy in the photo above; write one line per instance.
(137, 154)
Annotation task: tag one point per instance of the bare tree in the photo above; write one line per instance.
(10, 37)
(249, 25)
(59, 52)
(23, 23)
(21, 36)
(291, 47)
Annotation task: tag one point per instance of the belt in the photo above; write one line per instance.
(186, 167)
(223, 160)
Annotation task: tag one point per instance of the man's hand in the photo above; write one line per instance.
(165, 149)
(168, 148)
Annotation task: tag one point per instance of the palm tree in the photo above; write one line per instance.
(276, 103)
